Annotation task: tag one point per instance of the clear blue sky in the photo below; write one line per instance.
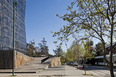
(41, 19)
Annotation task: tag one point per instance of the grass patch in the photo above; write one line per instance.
(87, 74)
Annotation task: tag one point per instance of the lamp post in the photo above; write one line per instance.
(13, 63)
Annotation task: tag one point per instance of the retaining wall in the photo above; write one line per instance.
(6, 59)
(21, 58)
(55, 62)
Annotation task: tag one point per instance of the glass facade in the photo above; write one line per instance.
(6, 25)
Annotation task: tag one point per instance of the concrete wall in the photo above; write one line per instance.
(55, 62)
(20, 59)
(6, 59)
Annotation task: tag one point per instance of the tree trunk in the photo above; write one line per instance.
(85, 69)
(111, 47)
(111, 70)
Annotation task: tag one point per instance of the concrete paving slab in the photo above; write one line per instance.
(29, 67)
(59, 71)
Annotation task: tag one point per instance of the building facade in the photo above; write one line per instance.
(6, 25)
(99, 60)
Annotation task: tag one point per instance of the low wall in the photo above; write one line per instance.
(21, 58)
(55, 62)
(6, 58)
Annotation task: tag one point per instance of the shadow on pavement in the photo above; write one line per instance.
(91, 67)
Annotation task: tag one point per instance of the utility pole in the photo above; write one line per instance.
(13, 62)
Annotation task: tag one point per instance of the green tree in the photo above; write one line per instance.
(69, 56)
(73, 52)
(88, 54)
(93, 18)
(30, 48)
(63, 57)
(58, 51)
(99, 49)
(43, 47)
(87, 51)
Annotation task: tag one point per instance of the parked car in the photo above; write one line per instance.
(80, 66)
(70, 63)
(67, 63)
(75, 64)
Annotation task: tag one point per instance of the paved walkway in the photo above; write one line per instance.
(60, 71)
(99, 71)
(63, 71)
(29, 67)
(72, 71)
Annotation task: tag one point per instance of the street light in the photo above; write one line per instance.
(14, 5)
